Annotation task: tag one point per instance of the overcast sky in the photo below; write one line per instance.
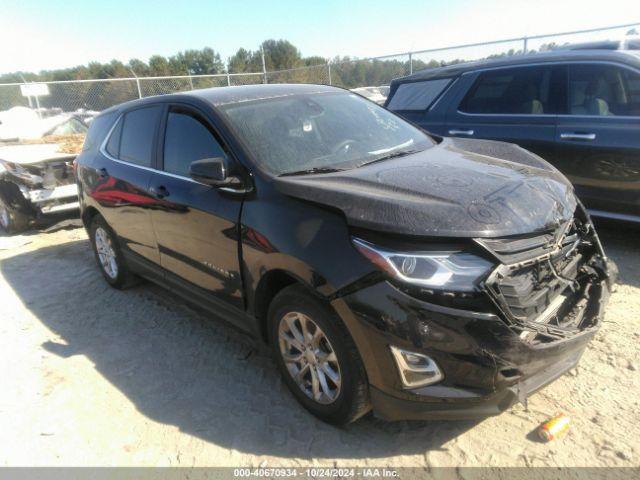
(36, 35)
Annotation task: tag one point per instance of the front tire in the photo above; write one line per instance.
(108, 254)
(12, 220)
(317, 357)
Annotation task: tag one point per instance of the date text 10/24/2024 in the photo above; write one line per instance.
(315, 472)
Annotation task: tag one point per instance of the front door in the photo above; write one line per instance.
(197, 226)
(598, 141)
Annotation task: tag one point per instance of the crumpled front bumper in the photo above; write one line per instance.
(487, 367)
(53, 200)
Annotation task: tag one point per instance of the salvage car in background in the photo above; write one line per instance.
(387, 270)
(578, 108)
(37, 149)
(375, 94)
(35, 180)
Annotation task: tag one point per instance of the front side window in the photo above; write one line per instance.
(417, 95)
(603, 90)
(187, 139)
(524, 91)
(321, 131)
(137, 137)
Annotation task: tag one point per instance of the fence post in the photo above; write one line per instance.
(329, 70)
(410, 63)
(264, 65)
(137, 83)
(524, 50)
(190, 79)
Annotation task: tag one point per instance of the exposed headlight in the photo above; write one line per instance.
(452, 271)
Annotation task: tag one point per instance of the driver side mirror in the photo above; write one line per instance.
(214, 172)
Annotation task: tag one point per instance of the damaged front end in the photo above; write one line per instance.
(526, 323)
(34, 185)
(544, 283)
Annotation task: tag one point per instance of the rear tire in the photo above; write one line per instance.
(12, 220)
(324, 372)
(108, 254)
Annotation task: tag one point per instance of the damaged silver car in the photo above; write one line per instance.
(35, 180)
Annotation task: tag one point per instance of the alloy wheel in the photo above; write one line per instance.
(309, 357)
(106, 253)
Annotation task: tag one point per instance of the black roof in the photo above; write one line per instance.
(622, 56)
(217, 96)
(246, 93)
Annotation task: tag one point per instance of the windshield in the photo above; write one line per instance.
(322, 132)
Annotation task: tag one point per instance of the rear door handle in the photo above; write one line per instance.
(578, 136)
(102, 173)
(160, 192)
(461, 132)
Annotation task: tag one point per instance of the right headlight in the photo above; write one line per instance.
(452, 271)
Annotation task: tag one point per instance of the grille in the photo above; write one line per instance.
(539, 276)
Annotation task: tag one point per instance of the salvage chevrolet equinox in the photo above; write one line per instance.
(387, 269)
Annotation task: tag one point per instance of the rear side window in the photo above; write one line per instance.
(138, 132)
(603, 90)
(113, 145)
(97, 131)
(524, 91)
(417, 95)
(188, 139)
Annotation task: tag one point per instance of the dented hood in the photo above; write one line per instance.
(458, 188)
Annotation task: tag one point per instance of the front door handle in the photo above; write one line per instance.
(160, 192)
(461, 132)
(578, 136)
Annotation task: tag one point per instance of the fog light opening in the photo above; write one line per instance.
(416, 369)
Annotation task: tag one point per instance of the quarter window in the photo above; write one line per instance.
(113, 145)
(138, 132)
(603, 90)
(524, 91)
(417, 95)
(187, 139)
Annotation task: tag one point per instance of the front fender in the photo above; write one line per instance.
(305, 241)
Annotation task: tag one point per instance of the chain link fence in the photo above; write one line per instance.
(96, 95)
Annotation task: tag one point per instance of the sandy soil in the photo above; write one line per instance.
(94, 376)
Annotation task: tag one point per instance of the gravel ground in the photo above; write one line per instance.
(94, 376)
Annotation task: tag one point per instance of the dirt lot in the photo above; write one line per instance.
(94, 376)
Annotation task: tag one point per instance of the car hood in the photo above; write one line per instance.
(458, 188)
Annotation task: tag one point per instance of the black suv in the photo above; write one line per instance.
(387, 269)
(578, 109)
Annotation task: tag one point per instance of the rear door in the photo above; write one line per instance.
(515, 104)
(197, 225)
(598, 141)
(123, 175)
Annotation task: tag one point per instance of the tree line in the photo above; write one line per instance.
(279, 55)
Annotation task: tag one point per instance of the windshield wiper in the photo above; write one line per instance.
(401, 153)
(312, 171)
